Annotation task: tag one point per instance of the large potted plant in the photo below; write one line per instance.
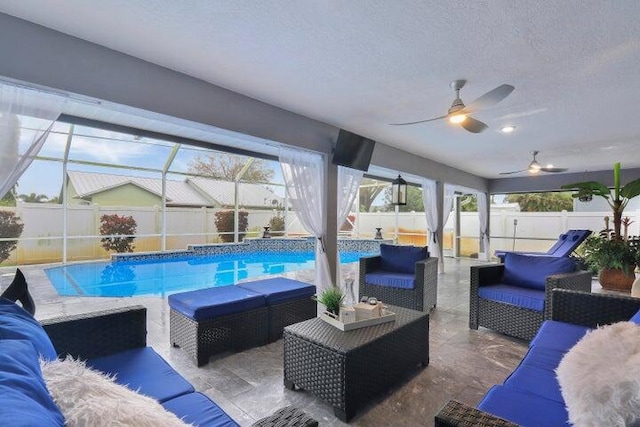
(611, 253)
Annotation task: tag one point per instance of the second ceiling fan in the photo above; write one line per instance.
(535, 167)
(459, 113)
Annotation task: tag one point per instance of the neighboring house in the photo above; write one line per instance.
(118, 190)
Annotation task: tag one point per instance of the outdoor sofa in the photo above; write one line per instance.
(111, 342)
(531, 395)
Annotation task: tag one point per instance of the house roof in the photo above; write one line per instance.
(190, 192)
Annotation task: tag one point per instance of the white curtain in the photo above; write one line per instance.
(304, 176)
(483, 214)
(26, 118)
(430, 201)
(447, 207)
(348, 184)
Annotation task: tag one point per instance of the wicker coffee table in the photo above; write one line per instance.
(347, 369)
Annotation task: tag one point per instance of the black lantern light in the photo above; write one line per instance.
(399, 191)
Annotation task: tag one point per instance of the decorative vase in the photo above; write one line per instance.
(266, 234)
(615, 280)
(378, 233)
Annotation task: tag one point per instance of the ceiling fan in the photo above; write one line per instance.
(535, 167)
(460, 114)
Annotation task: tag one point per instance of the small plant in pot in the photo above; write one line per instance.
(332, 299)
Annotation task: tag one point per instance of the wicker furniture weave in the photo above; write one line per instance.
(289, 416)
(568, 306)
(202, 339)
(510, 319)
(288, 313)
(347, 369)
(424, 295)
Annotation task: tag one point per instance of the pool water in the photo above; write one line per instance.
(170, 275)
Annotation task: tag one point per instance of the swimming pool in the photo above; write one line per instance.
(169, 275)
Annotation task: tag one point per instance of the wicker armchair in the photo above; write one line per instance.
(511, 319)
(569, 306)
(422, 296)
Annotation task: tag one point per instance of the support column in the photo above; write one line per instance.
(331, 238)
(440, 233)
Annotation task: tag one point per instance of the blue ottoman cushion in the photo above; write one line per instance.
(390, 279)
(210, 303)
(532, 299)
(280, 289)
(199, 410)
(143, 370)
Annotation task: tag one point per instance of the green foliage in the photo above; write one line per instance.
(227, 167)
(469, 203)
(120, 230)
(10, 226)
(9, 199)
(331, 298)
(369, 190)
(276, 225)
(602, 252)
(542, 202)
(224, 221)
(34, 198)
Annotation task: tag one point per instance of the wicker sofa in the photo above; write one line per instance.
(531, 396)
(514, 298)
(401, 275)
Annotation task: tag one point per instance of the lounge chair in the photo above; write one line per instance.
(566, 244)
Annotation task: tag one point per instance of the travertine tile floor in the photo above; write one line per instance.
(249, 385)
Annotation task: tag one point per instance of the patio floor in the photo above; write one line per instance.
(249, 385)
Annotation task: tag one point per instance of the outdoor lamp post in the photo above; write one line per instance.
(399, 191)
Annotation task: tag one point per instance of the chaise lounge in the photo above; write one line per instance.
(563, 247)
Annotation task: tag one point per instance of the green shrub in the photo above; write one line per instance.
(276, 224)
(10, 226)
(224, 221)
(114, 226)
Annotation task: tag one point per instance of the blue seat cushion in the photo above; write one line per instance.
(391, 279)
(523, 408)
(532, 299)
(16, 323)
(401, 259)
(199, 410)
(532, 271)
(558, 335)
(536, 373)
(635, 318)
(143, 370)
(25, 400)
(210, 303)
(280, 289)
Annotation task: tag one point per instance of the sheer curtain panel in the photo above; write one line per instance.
(430, 199)
(26, 118)
(304, 176)
(348, 184)
(483, 216)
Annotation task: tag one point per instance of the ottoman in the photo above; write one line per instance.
(288, 302)
(213, 320)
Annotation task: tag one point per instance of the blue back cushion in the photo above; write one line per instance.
(24, 398)
(18, 324)
(531, 271)
(401, 259)
(636, 318)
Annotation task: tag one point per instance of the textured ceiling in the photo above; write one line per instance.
(361, 64)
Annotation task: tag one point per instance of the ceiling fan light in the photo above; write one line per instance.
(457, 118)
(507, 129)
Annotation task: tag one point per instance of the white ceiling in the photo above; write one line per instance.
(361, 64)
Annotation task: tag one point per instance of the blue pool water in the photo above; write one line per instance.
(170, 275)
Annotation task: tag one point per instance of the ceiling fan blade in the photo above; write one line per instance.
(473, 125)
(490, 98)
(419, 121)
(554, 170)
(512, 172)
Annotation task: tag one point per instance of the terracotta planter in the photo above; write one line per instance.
(615, 280)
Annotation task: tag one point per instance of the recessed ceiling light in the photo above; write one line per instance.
(507, 129)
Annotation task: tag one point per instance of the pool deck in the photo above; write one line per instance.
(249, 385)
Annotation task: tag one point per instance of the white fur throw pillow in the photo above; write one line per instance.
(87, 397)
(600, 377)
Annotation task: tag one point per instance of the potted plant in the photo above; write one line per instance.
(611, 253)
(331, 298)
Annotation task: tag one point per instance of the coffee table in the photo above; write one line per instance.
(347, 369)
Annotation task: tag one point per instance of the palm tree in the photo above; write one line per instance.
(33, 198)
